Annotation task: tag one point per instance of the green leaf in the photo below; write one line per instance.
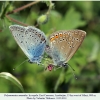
(52, 23)
(72, 20)
(13, 79)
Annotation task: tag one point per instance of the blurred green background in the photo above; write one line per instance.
(67, 15)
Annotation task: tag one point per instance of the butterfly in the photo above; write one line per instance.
(62, 45)
(31, 40)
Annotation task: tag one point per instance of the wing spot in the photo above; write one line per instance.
(26, 32)
(60, 40)
(29, 29)
(22, 30)
(70, 38)
(42, 39)
(70, 46)
(64, 34)
(62, 47)
(77, 39)
(67, 35)
(70, 35)
(60, 34)
(18, 29)
(76, 33)
(71, 41)
(68, 42)
(39, 35)
(56, 36)
(80, 40)
(63, 39)
(74, 38)
(51, 39)
(83, 35)
(33, 31)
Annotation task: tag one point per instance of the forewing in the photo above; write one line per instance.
(75, 40)
(30, 39)
(18, 33)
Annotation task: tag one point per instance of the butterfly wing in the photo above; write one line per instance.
(36, 41)
(31, 40)
(76, 38)
(18, 34)
(63, 44)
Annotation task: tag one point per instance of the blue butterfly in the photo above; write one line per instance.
(31, 40)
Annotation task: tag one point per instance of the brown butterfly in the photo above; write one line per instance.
(62, 46)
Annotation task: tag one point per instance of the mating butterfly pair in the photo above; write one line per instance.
(62, 44)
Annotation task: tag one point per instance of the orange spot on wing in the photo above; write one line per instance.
(67, 35)
(51, 39)
(60, 34)
(64, 34)
(56, 36)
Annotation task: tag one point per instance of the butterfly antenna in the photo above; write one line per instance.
(20, 64)
(72, 71)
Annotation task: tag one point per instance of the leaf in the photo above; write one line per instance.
(13, 79)
(52, 23)
(72, 20)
